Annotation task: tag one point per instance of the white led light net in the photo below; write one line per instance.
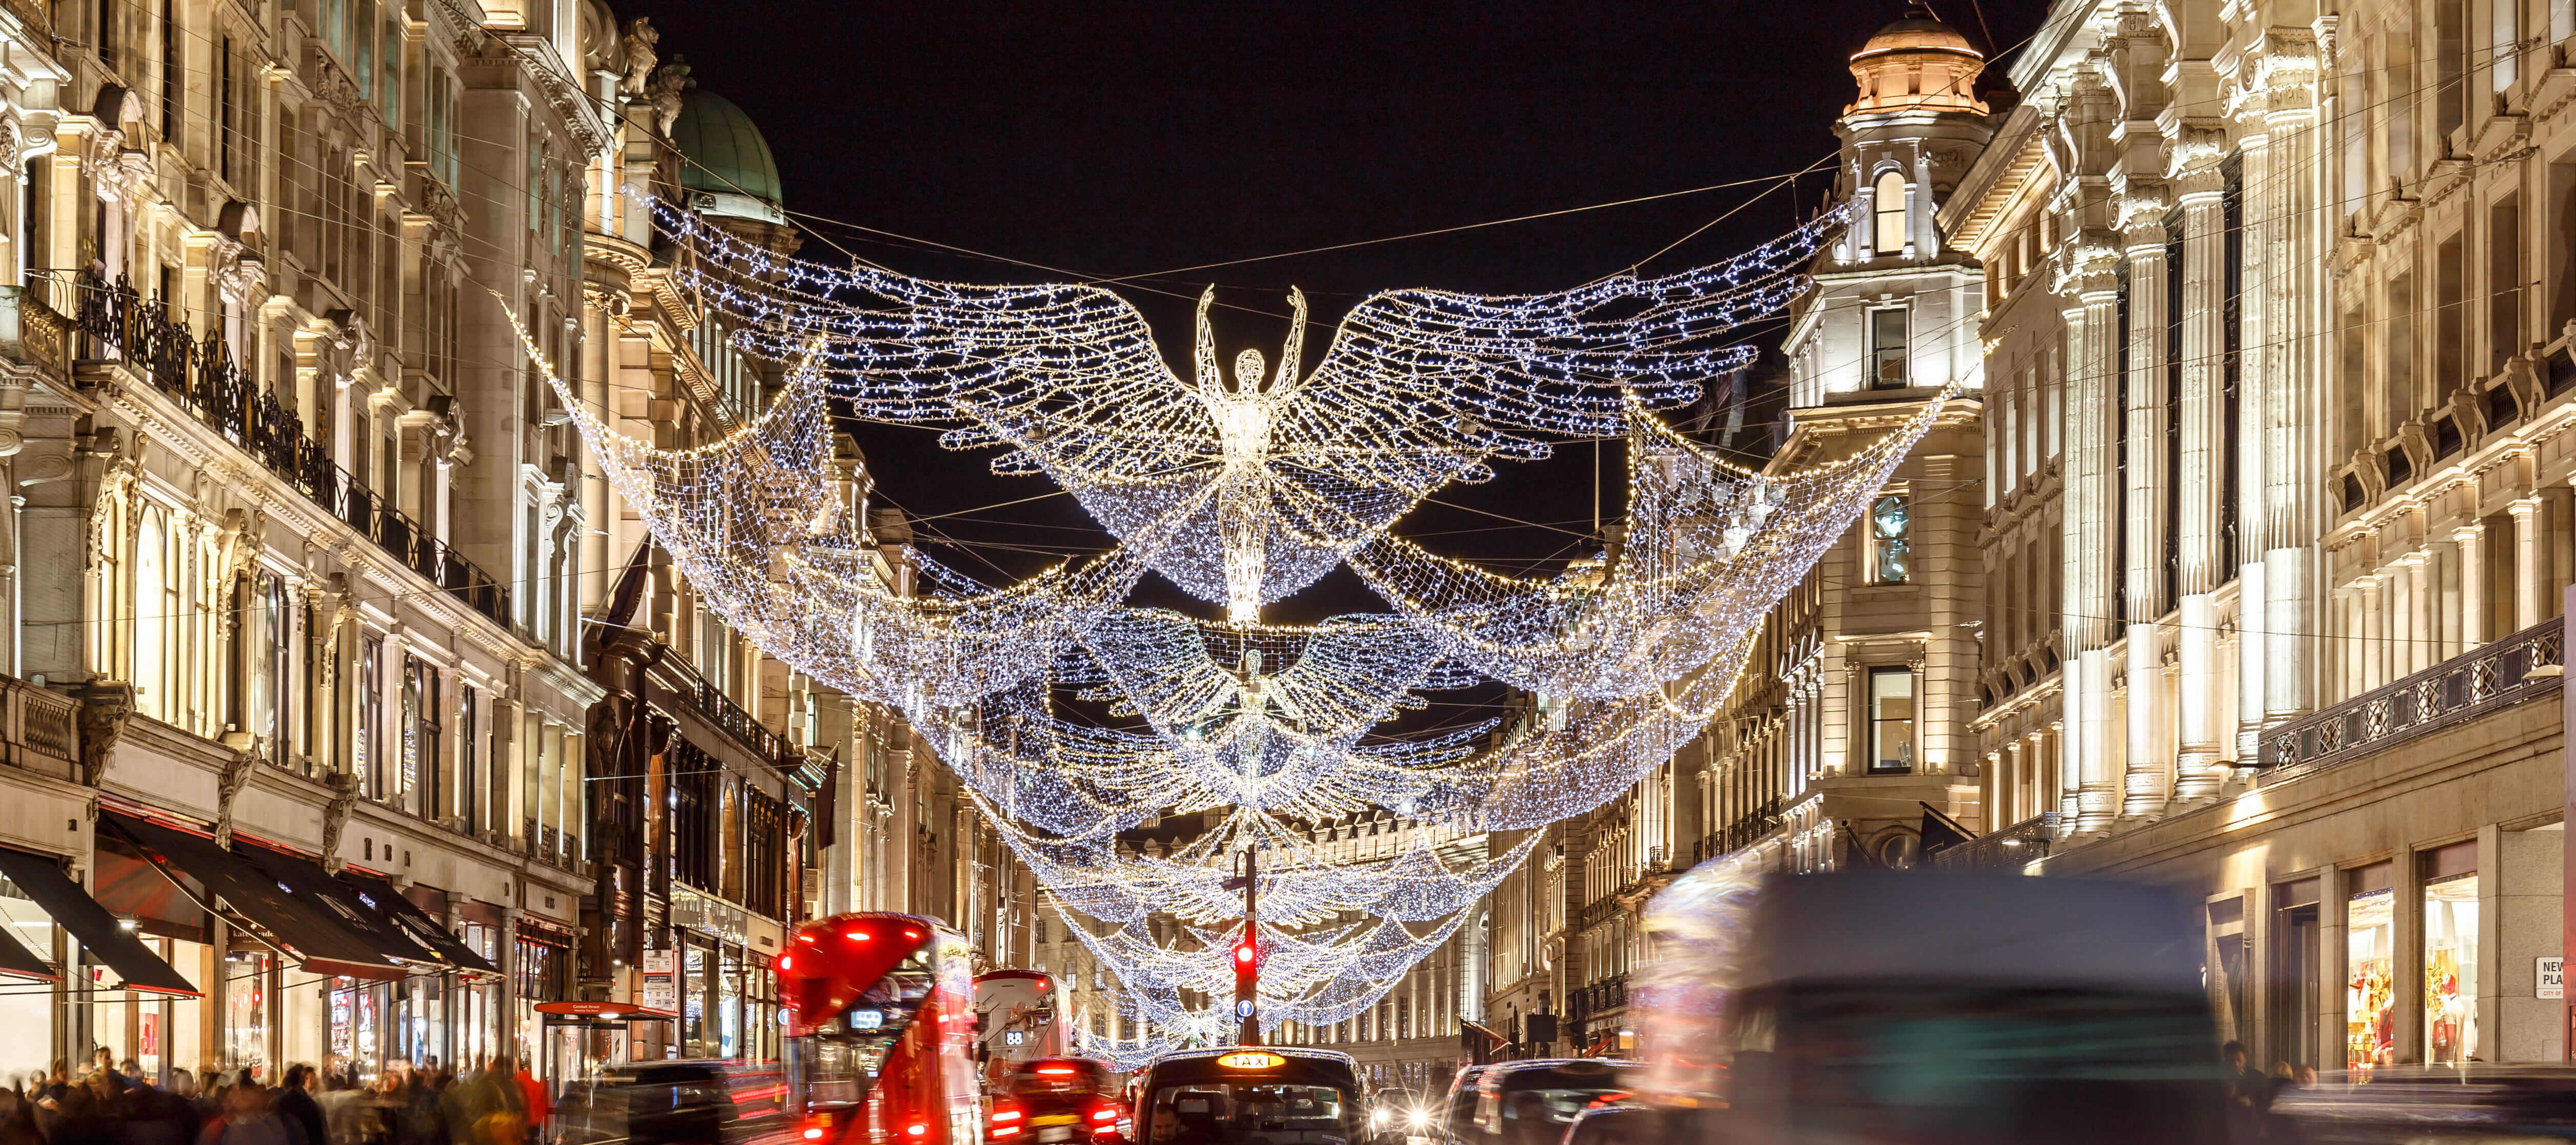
(1073, 717)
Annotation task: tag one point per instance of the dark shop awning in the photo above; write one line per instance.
(316, 887)
(42, 878)
(309, 930)
(451, 949)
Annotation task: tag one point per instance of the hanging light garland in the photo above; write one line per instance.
(1242, 490)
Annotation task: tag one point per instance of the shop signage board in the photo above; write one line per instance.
(2552, 982)
(661, 988)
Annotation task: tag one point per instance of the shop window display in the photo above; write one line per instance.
(2370, 992)
(246, 989)
(2451, 970)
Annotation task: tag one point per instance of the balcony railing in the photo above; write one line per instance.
(2006, 847)
(719, 709)
(1747, 830)
(1607, 994)
(116, 323)
(1596, 912)
(2466, 687)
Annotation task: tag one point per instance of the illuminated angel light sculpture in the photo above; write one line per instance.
(1243, 490)
(1419, 389)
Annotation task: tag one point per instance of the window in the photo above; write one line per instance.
(2451, 955)
(469, 725)
(156, 600)
(371, 694)
(1891, 719)
(1888, 210)
(1887, 345)
(420, 792)
(1890, 545)
(2370, 956)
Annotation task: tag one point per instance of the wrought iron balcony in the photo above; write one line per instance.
(1607, 994)
(2524, 666)
(1745, 831)
(116, 323)
(2005, 847)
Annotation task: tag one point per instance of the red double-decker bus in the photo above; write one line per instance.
(880, 1032)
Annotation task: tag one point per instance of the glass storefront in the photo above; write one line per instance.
(2370, 991)
(478, 1002)
(2451, 956)
(247, 980)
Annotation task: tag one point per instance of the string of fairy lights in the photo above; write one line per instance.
(1074, 718)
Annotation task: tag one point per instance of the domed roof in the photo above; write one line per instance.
(729, 159)
(1917, 64)
(1917, 32)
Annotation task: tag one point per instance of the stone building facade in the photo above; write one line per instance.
(310, 582)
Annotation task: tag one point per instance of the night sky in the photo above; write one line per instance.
(1110, 140)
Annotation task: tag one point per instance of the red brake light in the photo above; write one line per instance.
(1006, 1114)
(1056, 1070)
(1104, 1113)
(813, 1132)
(915, 1129)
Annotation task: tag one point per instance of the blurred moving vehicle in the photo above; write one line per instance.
(880, 1040)
(1626, 1125)
(677, 1103)
(1532, 1102)
(1457, 1110)
(2483, 1103)
(1252, 1095)
(1055, 1100)
(1014, 1022)
(1905, 1007)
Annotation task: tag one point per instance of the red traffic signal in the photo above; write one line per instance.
(1247, 968)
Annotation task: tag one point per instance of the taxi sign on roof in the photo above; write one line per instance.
(1251, 1059)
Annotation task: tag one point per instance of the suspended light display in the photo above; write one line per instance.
(1072, 717)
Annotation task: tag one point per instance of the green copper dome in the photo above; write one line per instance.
(731, 171)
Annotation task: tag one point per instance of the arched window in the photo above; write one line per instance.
(1888, 204)
(155, 591)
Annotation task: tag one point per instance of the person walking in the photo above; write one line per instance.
(494, 1107)
(538, 1104)
(250, 1118)
(295, 1103)
(18, 1120)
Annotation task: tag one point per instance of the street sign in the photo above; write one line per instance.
(1237, 883)
(2552, 978)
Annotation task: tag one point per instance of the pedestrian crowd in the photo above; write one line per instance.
(104, 1103)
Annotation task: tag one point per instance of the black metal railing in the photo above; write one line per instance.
(1607, 994)
(2005, 847)
(2495, 675)
(719, 709)
(116, 323)
(1748, 829)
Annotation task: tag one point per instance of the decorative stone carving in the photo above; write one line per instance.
(335, 817)
(106, 705)
(228, 787)
(641, 56)
(663, 92)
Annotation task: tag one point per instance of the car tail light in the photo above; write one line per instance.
(915, 1129)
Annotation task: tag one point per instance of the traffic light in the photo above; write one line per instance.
(1247, 989)
(1247, 968)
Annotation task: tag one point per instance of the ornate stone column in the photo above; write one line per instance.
(2529, 518)
(2148, 779)
(2292, 394)
(2471, 538)
(2198, 764)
